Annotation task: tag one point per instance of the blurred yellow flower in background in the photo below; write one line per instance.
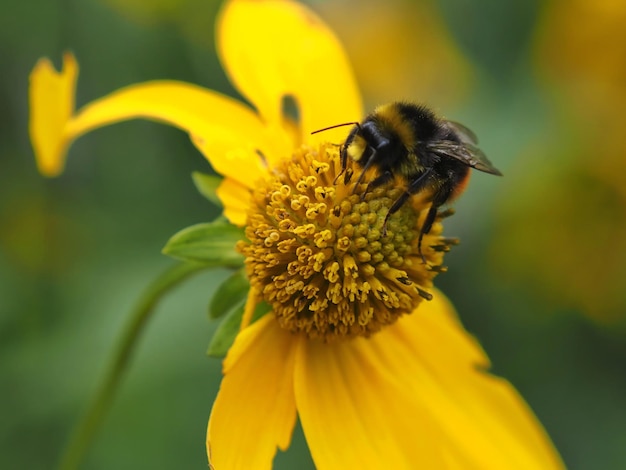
(575, 178)
(401, 46)
(580, 48)
(378, 377)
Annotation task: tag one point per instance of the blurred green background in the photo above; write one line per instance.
(540, 276)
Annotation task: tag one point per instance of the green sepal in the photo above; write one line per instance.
(225, 335)
(207, 186)
(229, 295)
(261, 309)
(226, 332)
(211, 244)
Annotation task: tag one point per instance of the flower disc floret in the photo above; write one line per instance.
(318, 254)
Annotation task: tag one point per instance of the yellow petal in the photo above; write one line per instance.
(226, 132)
(277, 48)
(483, 416)
(411, 397)
(253, 300)
(356, 414)
(236, 200)
(254, 412)
(51, 96)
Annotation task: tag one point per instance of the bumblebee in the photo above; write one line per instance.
(407, 140)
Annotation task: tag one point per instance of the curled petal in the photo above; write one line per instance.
(51, 96)
(230, 135)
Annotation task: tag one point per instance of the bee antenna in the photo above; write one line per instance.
(336, 125)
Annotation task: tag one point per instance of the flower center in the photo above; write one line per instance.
(317, 254)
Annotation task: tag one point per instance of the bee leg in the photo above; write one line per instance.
(337, 177)
(428, 224)
(369, 160)
(394, 208)
(439, 199)
(343, 153)
(415, 185)
(381, 179)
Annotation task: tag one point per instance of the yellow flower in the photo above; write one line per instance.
(572, 179)
(377, 36)
(375, 382)
(579, 47)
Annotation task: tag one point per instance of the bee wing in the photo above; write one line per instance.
(464, 152)
(465, 135)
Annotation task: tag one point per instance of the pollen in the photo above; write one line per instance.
(316, 252)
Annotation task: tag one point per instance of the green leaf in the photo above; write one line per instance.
(226, 333)
(229, 295)
(207, 186)
(212, 244)
(261, 309)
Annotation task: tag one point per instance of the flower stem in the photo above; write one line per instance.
(85, 430)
